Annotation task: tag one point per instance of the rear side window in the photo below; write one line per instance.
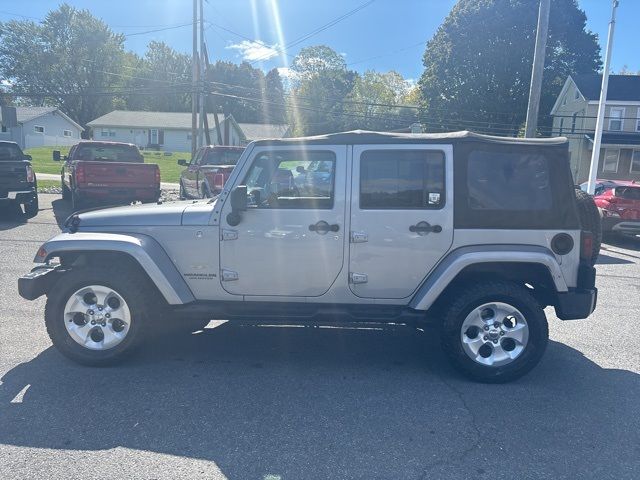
(222, 157)
(629, 193)
(401, 179)
(509, 181)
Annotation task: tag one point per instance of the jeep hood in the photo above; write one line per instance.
(165, 214)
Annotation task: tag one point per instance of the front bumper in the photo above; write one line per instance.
(39, 281)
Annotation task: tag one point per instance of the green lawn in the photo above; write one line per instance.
(169, 168)
(47, 184)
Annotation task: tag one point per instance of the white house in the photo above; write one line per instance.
(40, 126)
(171, 131)
(574, 116)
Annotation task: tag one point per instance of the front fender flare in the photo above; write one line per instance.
(456, 261)
(147, 252)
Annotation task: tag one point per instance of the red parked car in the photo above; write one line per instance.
(107, 173)
(619, 205)
(208, 171)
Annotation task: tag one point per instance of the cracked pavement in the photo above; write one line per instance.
(304, 403)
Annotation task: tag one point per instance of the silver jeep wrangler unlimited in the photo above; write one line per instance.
(474, 234)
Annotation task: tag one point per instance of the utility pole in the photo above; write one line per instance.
(194, 83)
(201, 78)
(537, 70)
(597, 137)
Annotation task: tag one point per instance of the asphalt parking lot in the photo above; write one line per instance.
(307, 403)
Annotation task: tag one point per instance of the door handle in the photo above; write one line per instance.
(422, 228)
(323, 227)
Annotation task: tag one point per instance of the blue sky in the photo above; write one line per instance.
(384, 35)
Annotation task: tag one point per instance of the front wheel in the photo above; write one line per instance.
(32, 208)
(98, 316)
(494, 332)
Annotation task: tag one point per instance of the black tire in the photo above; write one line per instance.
(130, 284)
(467, 298)
(590, 220)
(32, 208)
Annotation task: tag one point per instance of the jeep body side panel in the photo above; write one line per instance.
(463, 257)
(143, 249)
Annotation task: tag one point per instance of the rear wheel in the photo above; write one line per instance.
(494, 332)
(98, 316)
(66, 193)
(590, 220)
(76, 201)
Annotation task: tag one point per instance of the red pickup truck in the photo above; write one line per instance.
(208, 171)
(107, 173)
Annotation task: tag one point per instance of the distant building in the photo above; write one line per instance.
(171, 131)
(574, 115)
(40, 126)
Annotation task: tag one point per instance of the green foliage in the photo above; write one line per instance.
(69, 56)
(478, 64)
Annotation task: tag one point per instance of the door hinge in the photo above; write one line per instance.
(228, 234)
(229, 275)
(359, 237)
(357, 278)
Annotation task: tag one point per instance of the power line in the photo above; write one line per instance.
(158, 29)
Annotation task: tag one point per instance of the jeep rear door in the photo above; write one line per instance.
(401, 217)
(290, 241)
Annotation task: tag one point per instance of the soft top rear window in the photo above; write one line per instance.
(10, 152)
(222, 157)
(107, 153)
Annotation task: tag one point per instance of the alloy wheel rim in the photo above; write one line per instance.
(494, 334)
(97, 317)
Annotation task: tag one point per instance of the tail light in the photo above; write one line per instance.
(218, 181)
(80, 176)
(30, 175)
(157, 175)
(586, 247)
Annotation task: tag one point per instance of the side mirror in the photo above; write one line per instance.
(182, 162)
(56, 156)
(300, 169)
(238, 199)
(28, 157)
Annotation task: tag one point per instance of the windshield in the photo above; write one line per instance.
(222, 157)
(108, 153)
(10, 152)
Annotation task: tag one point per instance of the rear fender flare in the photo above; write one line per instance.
(147, 252)
(456, 261)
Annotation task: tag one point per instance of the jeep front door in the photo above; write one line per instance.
(401, 217)
(290, 241)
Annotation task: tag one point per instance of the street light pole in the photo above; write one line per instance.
(597, 137)
(538, 67)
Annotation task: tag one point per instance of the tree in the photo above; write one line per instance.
(375, 102)
(478, 64)
(71, 60)
(322, 83)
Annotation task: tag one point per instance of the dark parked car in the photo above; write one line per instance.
(107, 173)
(17, 180)
(208, 171)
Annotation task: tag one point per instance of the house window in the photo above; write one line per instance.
(67, 133)
(635, 161)
(38, 129)
(107, 132)
(611, 159)
(615, 118)
(156, 136)
(638, 121)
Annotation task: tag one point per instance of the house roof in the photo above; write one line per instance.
(624, 88)
(138, 119)
(257, 131)
(26, 114)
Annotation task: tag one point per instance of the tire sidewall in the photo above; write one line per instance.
(54, 319)
(536, 345)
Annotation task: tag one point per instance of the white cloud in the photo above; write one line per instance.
(255, 50)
